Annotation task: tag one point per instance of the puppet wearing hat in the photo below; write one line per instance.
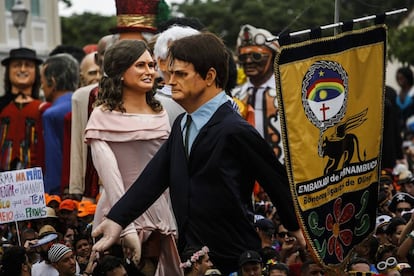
(256, 50)
(137, 17)
(20, 118)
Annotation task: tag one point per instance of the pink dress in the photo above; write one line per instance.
(122, 145)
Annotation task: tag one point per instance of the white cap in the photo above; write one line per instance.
(252, 36)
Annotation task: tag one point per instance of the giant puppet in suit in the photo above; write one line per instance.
(211, 190)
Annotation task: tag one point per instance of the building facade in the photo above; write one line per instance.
(42, 32)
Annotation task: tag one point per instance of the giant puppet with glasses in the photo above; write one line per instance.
(256, 50)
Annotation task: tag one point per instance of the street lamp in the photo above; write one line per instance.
(19, 16)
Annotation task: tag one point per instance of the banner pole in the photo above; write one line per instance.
(337, 24)
(18, 233)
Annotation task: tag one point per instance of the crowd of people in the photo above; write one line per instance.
(156, 160)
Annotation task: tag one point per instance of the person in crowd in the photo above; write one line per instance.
(68, 215)
(83, 249)
(406, 242)
(278, 269)
(50, 219)
(388, 266)
(386, 192)
(404, 251)
(127, 123)
(89, 74)
(250, 264)
(407, 186)
(21, 131)
(53, 201)
(47, 237)
(83, 178)
(263, 206)
(195, 261)
(89, 70)
(62, 259)
(29, 237)
(291, 252)
(282, 235)
(367, 250)
(311, 268)
(69, 236)
(265, 228)
(86, 212)
(89, 48)
(59, 77)
(401, 202)
(381, 225)
(109, 266)
(394, 229)
(256, 50)
(202, 162)
(15, 262)
(385, 251)
(405, 100)
(74, 51)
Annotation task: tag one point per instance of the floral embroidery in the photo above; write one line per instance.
(334, 224)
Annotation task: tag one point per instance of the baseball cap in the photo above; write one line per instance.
(88, 209)
(265, 224)
(50, 198)
(249, 256)
(68, 204)
(84, 203)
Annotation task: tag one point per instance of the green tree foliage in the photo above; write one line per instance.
(225, 17)
(401, 45)
(87, 28)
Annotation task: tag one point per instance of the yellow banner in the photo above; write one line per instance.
(331, 96)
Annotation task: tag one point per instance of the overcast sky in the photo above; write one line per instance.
(104, 7)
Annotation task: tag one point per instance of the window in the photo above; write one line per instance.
(35, 8)
(9, 4)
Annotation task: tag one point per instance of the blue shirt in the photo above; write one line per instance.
(201, 116)
(53, 129)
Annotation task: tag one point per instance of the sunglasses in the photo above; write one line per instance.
(360, 273)
(254, 56)
(403, 209)
(391, 262)
(283, 234)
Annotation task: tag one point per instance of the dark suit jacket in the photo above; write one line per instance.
(211, 193)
